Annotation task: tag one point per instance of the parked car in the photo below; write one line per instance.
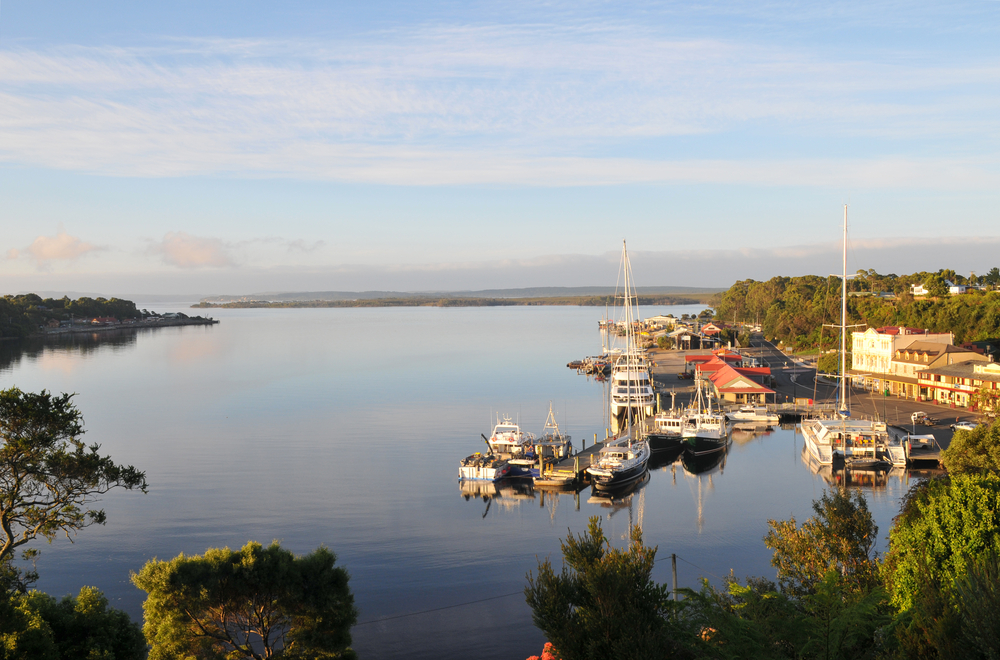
(921, 417)
(965, 426)
(685, 375)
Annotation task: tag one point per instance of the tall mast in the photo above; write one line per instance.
(843, 323)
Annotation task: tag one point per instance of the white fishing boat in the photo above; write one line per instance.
(509, 440)
(842, 438)
(483, 467)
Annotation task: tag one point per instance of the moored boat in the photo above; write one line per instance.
(755, 415)
(619, 465)
(483, 467)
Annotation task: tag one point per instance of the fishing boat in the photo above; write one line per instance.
(508, 438)
(841, 438)
(515, 446)
(552, 446)
(705, 430)
(664, 430)
(483, 467)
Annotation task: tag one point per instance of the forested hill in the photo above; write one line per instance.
(22, 315)
(794, 309)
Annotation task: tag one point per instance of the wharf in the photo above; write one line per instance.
(573, 469)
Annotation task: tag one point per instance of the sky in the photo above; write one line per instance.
(223, 147)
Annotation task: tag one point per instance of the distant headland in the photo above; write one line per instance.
(580, 296)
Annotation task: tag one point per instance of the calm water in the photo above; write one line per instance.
(345, 427)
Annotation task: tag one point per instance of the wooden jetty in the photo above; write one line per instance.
(572, 470)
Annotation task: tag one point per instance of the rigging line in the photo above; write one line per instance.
(438, 609)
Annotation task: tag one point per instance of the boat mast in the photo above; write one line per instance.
(843, 323)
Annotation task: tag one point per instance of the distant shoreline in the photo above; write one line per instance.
(119, 327)
(430, 301)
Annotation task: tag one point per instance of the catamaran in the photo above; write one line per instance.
(842, 438)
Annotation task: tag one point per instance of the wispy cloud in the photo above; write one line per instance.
(536, 104)
(186, 251)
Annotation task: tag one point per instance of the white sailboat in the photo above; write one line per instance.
(626, 461)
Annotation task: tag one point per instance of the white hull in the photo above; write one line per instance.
(828, 440)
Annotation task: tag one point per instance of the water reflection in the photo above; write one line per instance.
(76, 345)
(841, 475)
(507, 494)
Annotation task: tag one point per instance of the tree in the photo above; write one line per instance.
(986, 401)
(39, 627)
(944, 526)
(49, 479)
(603, 604)
(841, 537)
(255, 602)
(974, 451)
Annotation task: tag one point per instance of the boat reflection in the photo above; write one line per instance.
(662, 459)
(507, 493)
(696, 464)
(631, 498)
(744, 433)
(840, 474)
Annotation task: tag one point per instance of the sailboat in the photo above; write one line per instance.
(854, 441)
(625, 461)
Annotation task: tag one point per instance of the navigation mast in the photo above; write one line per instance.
(843, 323)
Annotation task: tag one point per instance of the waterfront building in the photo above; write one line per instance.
(880, 361)
(953, 384)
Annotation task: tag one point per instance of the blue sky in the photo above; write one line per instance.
(234, 147)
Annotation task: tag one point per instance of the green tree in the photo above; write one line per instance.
(978, 603)
(945, 524)
(50, 480)
(974, 451)
(603, 604)
(840, 537)
(255, 602)
(986, 401)
(38, 627)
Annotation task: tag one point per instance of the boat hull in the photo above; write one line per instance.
(660, 442)
(614, 480)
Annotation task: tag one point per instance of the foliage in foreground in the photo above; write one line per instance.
(973, 451)
(49, 479)
(603, 603)
(35, 626)
(839, 538)
(946, 525)
(255, 602)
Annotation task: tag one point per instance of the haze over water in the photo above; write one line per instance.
(344, 427)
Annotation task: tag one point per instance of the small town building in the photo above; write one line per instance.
(954, 384)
